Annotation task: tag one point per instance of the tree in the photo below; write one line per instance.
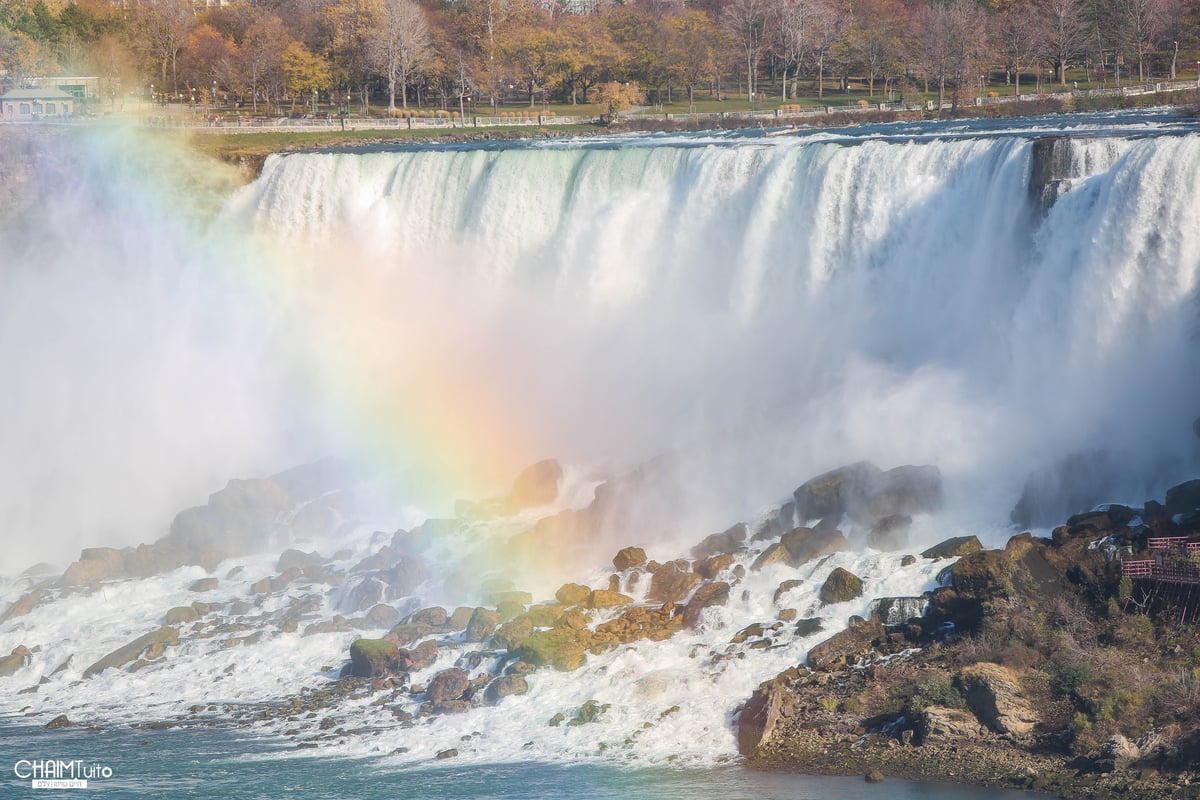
(587, 53)
(398, 45)
(1145, 22)
(695, 38)
(1065, 33)
(1020, 35)
(21, 58)
(830, 21)
(260, 57)
(948, 39)
(531, 51)
(304, 73)
(873, 39)
(616, 97)
(745, 22)
(160, 31)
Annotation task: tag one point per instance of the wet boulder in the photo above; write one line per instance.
(954, 547)
(374, 658)
(628, 558)
(449, 684)
(536, 485)
(841, 586)
(572, 594)
(149, 646)
(419, 657)
(563, 648)
(845, 646)
(15, 661)
(505, 686)
(671, 583)
(602, 598)
(805, 544)
(710, 594)
(482, 624)
(836, 491)
(94, 565)
(890, 533)
(728, 541)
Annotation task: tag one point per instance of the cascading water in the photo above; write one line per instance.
(748, 312)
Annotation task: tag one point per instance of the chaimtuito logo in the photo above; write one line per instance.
(52, 773)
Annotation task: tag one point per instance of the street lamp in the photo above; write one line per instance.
(214, 94)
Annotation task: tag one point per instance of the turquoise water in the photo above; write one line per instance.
(207, 762)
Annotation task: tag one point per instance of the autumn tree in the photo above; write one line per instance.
(531, 50)
(22, 58)
(586, 54)
(617, 96)
(694, 44)
(949, 41)
(304, 73)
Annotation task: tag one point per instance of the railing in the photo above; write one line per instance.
(1166, 543)
(1137, 569)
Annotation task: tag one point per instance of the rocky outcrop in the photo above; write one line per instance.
(954, 547)
(940, 724)
(505, 686)
(15, 661)
(994, 694)
(759, 718)
(864, 492)
(728, 541)
(672, 583)
(710, 594)
(602, 598)
(845, 646)
(150, 646)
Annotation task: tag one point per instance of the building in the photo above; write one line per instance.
(27, 105)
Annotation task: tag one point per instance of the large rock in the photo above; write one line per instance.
(1077, 483)
(866, 493)
(759, 719)
(840, 586)
(483, 623)
(1118, 754)
(149, 646)
(671, 583)
(942, 725)
(995, 696)
(505, 686)
(805, 544)
(572, 594)
(602, 598)
(449, 684)
(728, 541)
(1183, 498)
(563, 648)
(846, 645)
(14, 662)
(836, 491)
(420, 657)
(629, 557)
(710, 594)
(374, 658)
(954, 547)
(537, 485)
(510, 635)
(94, 565)
(890, 533)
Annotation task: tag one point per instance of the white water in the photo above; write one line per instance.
(764, 311)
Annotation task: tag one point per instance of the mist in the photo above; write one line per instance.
(755, 314)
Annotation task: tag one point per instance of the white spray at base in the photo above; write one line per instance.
(766, 311)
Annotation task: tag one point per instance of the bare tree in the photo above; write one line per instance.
(1145, 23)
(746, 23)
(399, 44)
(875, 39)
(1020, 36)
(161, 30)
(1065, 32)
(793, 40)
(948, 40)
(829, 27)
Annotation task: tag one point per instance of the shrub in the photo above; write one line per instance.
(1067, 678)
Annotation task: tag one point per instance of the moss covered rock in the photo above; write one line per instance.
(181, 614)
(563, 648)
(373, 658)
(572, 594)
(840, 586)
(601, 598)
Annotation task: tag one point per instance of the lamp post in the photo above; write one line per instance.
(214, 94)
(152, 90)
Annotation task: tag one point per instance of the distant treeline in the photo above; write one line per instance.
(278, 55)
